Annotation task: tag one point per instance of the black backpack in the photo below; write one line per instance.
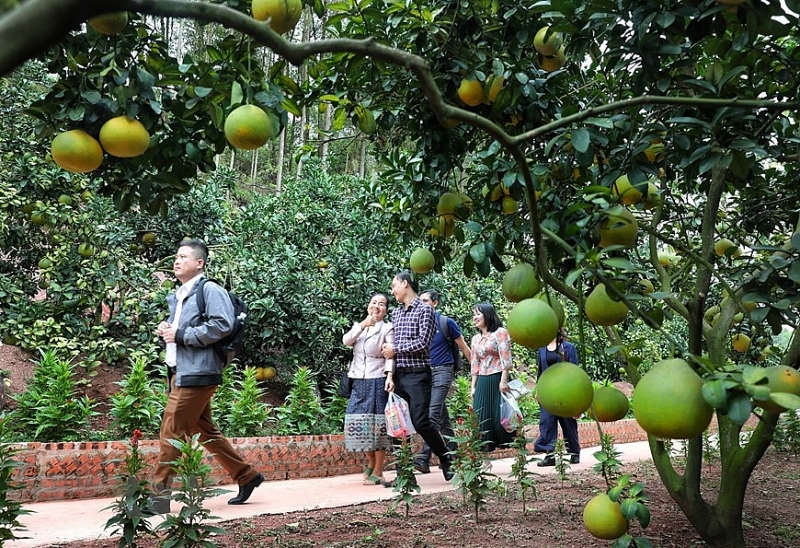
(226, 348)
(443, 327)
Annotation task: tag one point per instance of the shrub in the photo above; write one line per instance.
(139, 403)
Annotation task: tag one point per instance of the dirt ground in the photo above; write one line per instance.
(552, 519)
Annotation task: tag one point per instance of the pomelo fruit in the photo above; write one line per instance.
(124, 137)
(532, 323)
(603, 518)
(508, 205)
(270, 373)
(470, 92)
(780, 378)
(283, 15)
(422, 261)
(447, 205)
(726, 248)
(668, 402)
(551, 300)
(521, 283)
(628, 194)
(248, 127)
(564, 389)
(547, 43)
(609, 404)
(109, 23)
(551, 63)
(493, 86)
(619, 228)
(740, 342)
(76, 151)
(602, 310)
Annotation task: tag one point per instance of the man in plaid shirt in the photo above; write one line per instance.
(414, 327)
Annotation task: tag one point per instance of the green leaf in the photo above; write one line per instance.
(714, 393)
(581, 139)
(739, 407)
(236, 93)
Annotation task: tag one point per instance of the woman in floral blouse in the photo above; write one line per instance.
(491, 362)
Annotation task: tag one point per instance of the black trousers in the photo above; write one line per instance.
(415, 388)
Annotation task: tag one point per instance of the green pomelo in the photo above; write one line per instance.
(532, 323)
(521, 283)
(565, 390)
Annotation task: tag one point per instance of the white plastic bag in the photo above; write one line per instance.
(398, 418)
(510, 415)
(518, 389)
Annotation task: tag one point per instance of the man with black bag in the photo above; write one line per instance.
(445, 362)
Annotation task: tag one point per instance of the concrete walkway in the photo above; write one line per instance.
(54, 523)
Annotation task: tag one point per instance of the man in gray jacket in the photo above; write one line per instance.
(194, 370)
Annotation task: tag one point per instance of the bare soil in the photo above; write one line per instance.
(552, 519)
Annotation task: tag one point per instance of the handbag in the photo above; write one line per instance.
(510, 415)
(398, 418)
(345, 385)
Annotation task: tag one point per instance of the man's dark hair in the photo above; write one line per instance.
(433, 293)
(405, 275)
(489, 316)
(199, 248)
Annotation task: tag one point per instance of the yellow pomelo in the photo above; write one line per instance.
(724, 247)
(532, 323)
(248, 127)
(124, 137)
(564, 390)
(780, 378)
(508, 205)
(446, 227)
(109, 23)
(601, 309)
(629, 194)
(76, 151)
(493, 86)
(619, 228)
(547, 44)
(470, 92)
(447, 205)
(521, 283)
(654, 151)
(259, 373)
(283, 15)
(551, 63)
(603, 518)
(668, 402)
(609, 404)
(646, 286)
(270, 373)
(740, 342)
(422, 261)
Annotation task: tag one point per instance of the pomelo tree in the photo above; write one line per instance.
(696, 103)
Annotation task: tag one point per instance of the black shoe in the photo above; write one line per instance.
(422, 467)
(575, 459)
(549, 460)
(388, 484)
(446, 464)
(246, 490)
(155, 506)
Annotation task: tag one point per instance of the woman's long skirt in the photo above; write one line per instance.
(487, 405)
(364, 420)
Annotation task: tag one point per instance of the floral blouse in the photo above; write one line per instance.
(491, 353)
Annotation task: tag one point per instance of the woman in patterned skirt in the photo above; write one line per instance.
(364, 421)
(491, 362)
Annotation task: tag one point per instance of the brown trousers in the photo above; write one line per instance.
(188, 412)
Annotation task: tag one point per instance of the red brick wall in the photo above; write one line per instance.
(57, 471)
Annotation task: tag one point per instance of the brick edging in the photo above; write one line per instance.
(78, 470)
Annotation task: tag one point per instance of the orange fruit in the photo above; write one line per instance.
(109, 23)
(603, 518)
(124, 137)
(76, 151)
(532, 323)
(422, 261)
(609, 404)
(780, 378)
(248, 127)
(547, 43)
(619, 228)
(564, 389)
(629, 194)
(470, 92)
(740, 342)
(282, 15)
(521, 282)
(668, 401)
(602, 310)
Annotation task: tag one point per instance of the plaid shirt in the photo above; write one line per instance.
(414, 328)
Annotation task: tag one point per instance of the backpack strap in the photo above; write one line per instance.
(201, 306)
(445, 329)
